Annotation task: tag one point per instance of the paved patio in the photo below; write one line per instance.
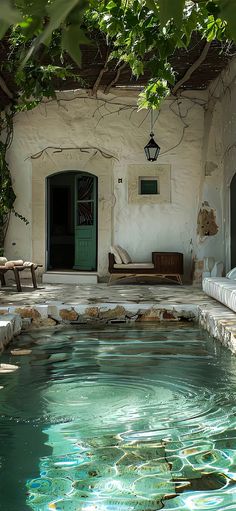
(55, 303)
(102, 293)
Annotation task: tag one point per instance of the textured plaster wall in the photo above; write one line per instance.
(104, 138)
(228, 99)
(211, 194)
(219, 161)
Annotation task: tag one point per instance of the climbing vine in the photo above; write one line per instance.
(34, 82)
(7, 196)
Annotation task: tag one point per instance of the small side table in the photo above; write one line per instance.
(169, 265)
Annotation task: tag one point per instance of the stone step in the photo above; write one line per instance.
(69, 277)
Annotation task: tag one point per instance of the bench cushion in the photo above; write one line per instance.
(133, 266)
(126, 259)
(11, 264)
(115, 251)
(231, 274)
(222, 289)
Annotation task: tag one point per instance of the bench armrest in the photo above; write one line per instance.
(111, 260)
(168, 262)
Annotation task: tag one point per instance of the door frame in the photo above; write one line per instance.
(73, 159)
(48, 214)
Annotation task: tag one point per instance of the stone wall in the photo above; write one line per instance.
(54, 314)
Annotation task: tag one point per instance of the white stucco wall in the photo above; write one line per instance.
(212, 182)
(228, 99)
(112, 125)
(219, 160)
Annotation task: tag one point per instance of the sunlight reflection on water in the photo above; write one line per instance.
(120, 419)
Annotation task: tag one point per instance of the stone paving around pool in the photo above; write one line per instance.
(50, 305)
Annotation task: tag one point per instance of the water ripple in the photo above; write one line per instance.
(125, 424)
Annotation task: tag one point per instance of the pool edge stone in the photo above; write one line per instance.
(215, 318)
(10, 326)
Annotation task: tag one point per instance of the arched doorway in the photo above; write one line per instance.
(233, 220)
(72, 221)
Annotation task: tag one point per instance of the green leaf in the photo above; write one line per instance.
(190, 25)
(72, 37)
(31, 26)
(32, 8)
(151, 4)
(8, 16)
(227, 13)
(171, 9)
(3, 28)
(8, 13)
(57, 12)
(75, 16)
(111, 4)
(153, 94)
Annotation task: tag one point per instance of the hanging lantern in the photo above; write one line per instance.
(152, 149)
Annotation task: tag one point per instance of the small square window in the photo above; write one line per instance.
(148, 186)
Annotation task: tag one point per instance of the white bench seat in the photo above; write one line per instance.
(133, 266)
(222, 289)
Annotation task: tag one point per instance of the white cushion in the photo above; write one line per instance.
(3, 260)
(11, 264)
(133, 266)
(208, 263)
(231, 274)
(217, 269)
(114, 250)
(126, 259)
(222, 289)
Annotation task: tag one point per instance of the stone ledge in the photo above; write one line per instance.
(101, 312)
(220, 322)
(10, 325)
(105, 312)
(215, 318)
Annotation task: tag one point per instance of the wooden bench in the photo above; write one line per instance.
(16, 271)
(165, 265)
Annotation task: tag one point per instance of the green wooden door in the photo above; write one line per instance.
(85, 222)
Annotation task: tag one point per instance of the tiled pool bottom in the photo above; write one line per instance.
(119, 418)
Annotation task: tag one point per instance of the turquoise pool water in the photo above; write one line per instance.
(118, 419)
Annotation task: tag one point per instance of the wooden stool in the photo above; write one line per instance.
(16, 270)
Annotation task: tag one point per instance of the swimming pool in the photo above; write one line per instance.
(118, 419)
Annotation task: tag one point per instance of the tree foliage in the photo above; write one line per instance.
(142, 33)
(146, 33)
